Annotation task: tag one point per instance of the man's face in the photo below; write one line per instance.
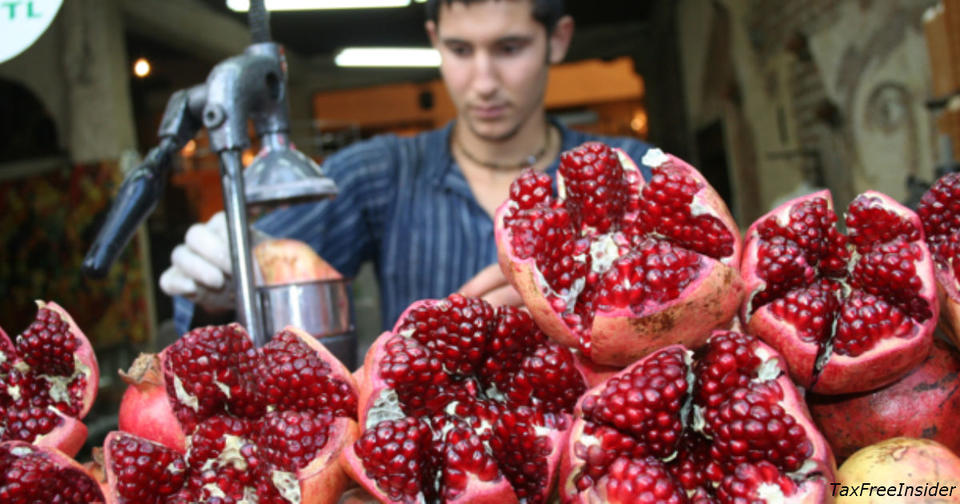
(494, 63)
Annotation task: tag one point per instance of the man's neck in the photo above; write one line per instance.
(532, 142)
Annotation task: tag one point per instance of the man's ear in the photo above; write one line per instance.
(431, 27)
(560, 39)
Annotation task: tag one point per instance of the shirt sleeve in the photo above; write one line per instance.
(345, 230)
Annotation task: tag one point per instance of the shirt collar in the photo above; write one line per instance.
(446, 173)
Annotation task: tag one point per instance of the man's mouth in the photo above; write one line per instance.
(488, 112)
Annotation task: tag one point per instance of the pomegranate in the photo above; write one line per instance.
(616, 266)
(50, 378)
(283, 457)
(462, 402)
(282, 261)
(728, 427)
(939, 210)
(31, 474)
(271, 421)
(922, 404)
(851, 312)
(902, 470)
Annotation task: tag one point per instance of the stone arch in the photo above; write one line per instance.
(27, 129)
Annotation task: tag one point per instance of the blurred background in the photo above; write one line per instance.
(769, 99)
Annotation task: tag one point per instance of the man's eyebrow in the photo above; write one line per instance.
(509, 39)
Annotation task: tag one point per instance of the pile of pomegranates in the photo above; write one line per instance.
(659, 356)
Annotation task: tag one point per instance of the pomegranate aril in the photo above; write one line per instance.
(48, 345)
(549, 377)
(865, 320)
(211, 437)
(869, 223)
(812, 310)
(688, 468)
(751, 425)
(27, 423)
(654, 272)
(642, 481)
(206, 361)
(531, 189)
(665, 209)
(521, 453)
(146, 472)
(289, 440)
(416, 375)
(455, 332)
(647, 402)
(889, 271)
(745, 484)
(393, 453)
(292, 376)
(30, 475)
(729, 362)
(595, 187)
(547, 235)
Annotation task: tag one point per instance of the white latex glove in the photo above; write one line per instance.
(201, 269)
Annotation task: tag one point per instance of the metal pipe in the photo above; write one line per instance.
(248, 306)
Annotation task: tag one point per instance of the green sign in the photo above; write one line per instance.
(22, 22)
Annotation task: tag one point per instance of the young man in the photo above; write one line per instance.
(421, 207)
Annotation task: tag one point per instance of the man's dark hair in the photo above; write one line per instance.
(546, 12)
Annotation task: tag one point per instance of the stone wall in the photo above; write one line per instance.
(811, 93)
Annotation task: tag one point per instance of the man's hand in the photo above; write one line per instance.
(201, 269)
(492, 286)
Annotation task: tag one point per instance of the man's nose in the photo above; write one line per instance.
(486, 79)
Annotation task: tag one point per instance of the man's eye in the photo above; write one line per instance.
(459, 50)
(509, 49)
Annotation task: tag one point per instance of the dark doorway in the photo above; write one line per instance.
(713, 160)
(27, 131)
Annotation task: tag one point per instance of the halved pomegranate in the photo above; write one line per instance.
(922, 404)
(285, 410)
(31, 474)
(281, 458)
(729, 427)
(462, 402)
(850, 312)
(50, 379)
(616, 266)
(939, 211)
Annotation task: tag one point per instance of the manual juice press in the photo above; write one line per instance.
(247, 87)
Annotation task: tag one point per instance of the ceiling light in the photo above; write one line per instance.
(388, 57)
(290, 5)
(141, 68)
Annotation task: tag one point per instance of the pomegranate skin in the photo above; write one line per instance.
(835, 373)
(908, 461)
(621, 335)
(922, 404)
(145, 408)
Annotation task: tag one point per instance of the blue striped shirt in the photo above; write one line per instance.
(405, 205)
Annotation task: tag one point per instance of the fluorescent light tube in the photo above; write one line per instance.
(288, 5)
(387, 57)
